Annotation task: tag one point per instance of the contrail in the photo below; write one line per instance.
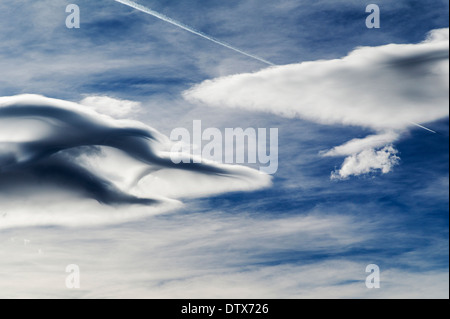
(187, 28)
(425, 128)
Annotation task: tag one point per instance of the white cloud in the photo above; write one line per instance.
(113, 107)
(60, 208)
(94, 157)
(221, 256)
(356, 146)
(376, 87)
(368, 161)
(386, 89)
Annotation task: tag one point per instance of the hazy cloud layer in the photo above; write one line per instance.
(386, 89)
(223, 255)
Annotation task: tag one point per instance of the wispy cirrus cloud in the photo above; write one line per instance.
(243, 255)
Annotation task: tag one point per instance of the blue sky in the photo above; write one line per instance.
(306, 236)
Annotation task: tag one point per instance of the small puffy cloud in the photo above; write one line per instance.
(387, 89)
(113, 107)
(368, 161)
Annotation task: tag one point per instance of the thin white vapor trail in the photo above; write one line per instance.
(187, 28)
(425, 128)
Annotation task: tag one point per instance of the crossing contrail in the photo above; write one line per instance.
(425, 128)
(187, 28)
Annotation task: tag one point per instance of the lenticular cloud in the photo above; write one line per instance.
(50, 147)
(387, 89)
